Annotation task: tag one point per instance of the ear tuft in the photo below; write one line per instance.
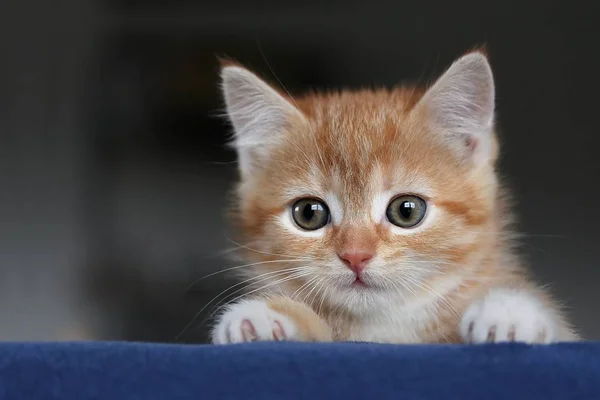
(225, 61)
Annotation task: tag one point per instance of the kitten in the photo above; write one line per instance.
(377, 215)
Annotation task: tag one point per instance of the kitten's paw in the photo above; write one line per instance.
(253, 321)
(506, 315)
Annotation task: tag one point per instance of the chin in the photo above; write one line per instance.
(359, 299)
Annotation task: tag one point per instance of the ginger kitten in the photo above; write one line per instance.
(377, 215)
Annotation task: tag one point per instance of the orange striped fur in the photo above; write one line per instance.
(353, 149)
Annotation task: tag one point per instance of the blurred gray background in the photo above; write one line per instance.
(114, 174)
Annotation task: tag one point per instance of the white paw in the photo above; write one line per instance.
(252, 321)
(506, 315)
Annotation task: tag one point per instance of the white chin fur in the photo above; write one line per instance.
(362, 300)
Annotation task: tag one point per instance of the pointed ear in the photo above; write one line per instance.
(460, 108)
(259, 115)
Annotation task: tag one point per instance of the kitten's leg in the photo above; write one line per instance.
(274, 318)
(508, 315)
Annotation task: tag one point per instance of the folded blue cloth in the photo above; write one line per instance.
(112, 371)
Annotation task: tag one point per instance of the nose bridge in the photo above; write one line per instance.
(356, 232)
(356, 238)
(357, 213)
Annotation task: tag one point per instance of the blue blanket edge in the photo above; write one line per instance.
(116, 370)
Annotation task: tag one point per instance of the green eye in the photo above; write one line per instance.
(406, 211)
(310, 214)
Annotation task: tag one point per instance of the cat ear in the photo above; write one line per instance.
(259, 115)
(460, 106)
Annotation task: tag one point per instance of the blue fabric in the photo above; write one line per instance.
(81, 371)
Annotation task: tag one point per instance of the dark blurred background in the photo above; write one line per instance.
(114, 173)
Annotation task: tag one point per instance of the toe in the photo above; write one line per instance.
(278, 331)
(248, 331)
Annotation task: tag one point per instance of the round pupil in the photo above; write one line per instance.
(309, 211)
(406, 209)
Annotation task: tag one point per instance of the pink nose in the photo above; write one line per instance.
(356, 260)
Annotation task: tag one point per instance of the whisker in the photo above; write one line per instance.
(397, 288)
(518, 234)
(271, 275)
(278, 282)
(275, 75)
(407, 287)
(301, 288)
(266, 252)
(195, 317)
(319, 285)
(304, 300)
(429, 289)
(238, 267)
(327, 290)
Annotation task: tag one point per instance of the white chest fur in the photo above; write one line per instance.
(401, 324)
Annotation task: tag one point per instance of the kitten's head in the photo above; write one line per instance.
(354, 198)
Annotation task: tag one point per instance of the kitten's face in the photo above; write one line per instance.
(365, 196)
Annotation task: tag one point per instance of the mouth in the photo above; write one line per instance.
(358, 283)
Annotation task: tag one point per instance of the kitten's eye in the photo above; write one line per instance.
(310, 214)
(406, 211)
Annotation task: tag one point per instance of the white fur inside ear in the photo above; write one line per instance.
(258, 113)
(461, 105)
